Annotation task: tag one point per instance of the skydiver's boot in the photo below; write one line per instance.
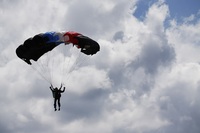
(59, 105)
(55, 107)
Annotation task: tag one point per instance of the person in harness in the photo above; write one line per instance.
(57, 95)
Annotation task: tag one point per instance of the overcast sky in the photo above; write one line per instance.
(145, 79)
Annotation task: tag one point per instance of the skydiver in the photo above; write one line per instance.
(56, 95)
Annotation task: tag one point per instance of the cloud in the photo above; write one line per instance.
(144, 79)
(177, 100)
(96, 16)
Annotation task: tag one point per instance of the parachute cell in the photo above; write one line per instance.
(87, 45)
(34, 48)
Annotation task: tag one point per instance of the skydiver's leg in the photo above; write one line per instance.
(55, 103)
(59, 103)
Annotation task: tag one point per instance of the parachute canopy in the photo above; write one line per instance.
(33, 48)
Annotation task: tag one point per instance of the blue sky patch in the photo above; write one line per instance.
(179, 9)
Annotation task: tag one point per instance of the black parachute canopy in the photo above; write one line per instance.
(87, 45)
(34, 48)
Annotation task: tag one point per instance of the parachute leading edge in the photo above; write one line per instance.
(33, 48)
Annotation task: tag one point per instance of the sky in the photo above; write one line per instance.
(144, 79)
(179, 9)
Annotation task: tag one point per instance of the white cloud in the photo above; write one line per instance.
(185, 39)
(145, 78)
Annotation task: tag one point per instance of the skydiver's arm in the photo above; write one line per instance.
(51, 87)
(63, 90)
(61, 86)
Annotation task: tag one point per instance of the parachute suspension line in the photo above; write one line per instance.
(71, 59)
(82, 59)
(64, 51)
(65, 62)
(34, 68)
(68, 63)
(79, 59)
(43, 67)
(50, 65)
(68, 70)
(74, 65)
